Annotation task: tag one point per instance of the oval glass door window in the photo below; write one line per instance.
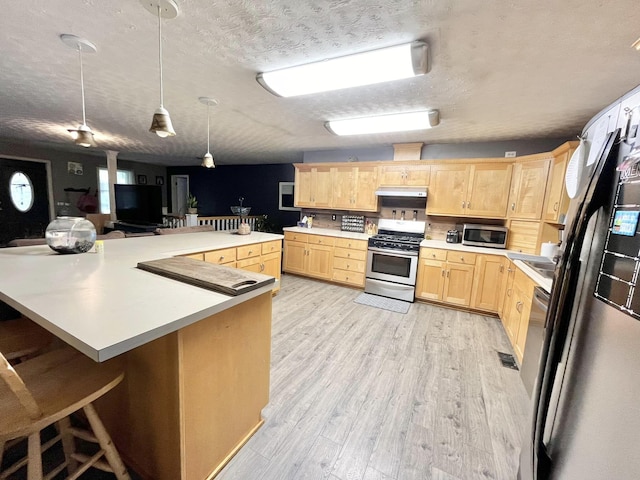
(21, 190)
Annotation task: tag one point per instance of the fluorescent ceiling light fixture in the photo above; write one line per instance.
(636, 44)
(376, 66)
(399, 122)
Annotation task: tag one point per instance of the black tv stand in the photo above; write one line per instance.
(135, 227)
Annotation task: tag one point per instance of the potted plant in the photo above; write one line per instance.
(192, 204)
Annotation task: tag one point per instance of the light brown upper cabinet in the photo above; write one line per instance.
(557, 200)
(404, 174)
(313, 186)
(488, 192)
(470, 190)
(448, 189)
(527, 189)
(354, 188)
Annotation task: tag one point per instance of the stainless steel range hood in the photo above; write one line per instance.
(414, 192)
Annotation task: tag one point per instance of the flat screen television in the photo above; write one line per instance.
(139, 204)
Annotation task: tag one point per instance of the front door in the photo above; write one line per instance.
(24, 200)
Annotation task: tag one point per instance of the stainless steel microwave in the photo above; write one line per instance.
(484, 235)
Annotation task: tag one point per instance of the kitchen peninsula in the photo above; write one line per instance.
(196, 361)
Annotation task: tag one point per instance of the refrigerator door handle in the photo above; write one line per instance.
(562, 298)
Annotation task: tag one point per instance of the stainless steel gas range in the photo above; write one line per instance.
(392, 259)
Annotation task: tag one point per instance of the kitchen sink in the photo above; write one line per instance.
(545, 269)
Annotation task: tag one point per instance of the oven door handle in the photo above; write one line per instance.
(393, 253)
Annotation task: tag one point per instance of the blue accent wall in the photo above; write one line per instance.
(219, 188)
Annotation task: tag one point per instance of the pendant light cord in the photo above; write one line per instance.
(84, 116)
(160, 55)
(208, 105)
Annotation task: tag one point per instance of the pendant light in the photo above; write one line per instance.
(161, 123)
(207, 160)
(82, 135)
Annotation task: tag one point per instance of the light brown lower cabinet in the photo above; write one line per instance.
(261, 257)
(339, 259)
(310, 255)
(445, 276)
(490, 276)
(516, 310)
(350, 261)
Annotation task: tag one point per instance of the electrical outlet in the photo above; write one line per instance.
(333, 217)
(509, 154)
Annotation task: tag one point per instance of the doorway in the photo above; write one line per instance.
(25, 199)
(179, 193)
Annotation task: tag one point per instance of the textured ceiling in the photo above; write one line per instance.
(501, 70)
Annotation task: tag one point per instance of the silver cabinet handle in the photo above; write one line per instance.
(463, 204)
(513, 207)
(443, 273)
(555, 206)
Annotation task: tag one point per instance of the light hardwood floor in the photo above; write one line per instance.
(359, 393)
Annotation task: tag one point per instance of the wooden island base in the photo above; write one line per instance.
(192, 398)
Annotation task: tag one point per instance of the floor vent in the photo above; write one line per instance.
(507, 360)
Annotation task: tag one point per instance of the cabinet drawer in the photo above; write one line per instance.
(352, 278)
(348, 264)
(248, 262)
(270, 247)
(248, 251)
(320, 240)
(350, 254)
(433, 254)
(219, 257)
(351, 243)
(461, 257)
(298, 237)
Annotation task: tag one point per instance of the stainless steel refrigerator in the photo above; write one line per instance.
(585, 421)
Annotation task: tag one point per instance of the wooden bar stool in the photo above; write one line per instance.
(46, 390)
(21, 339)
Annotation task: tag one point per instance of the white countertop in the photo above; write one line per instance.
(104, 306)
(517, 258)
(328, 232)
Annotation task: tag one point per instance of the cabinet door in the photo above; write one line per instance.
(343, 179)
(320, 261)
(364, 189)
(458, 283)
(528, 186)
(523, 288)
(430, 282)
(302, 193)
(508, 295)
(404, 174)
(523, 236)
(392, 175)
(557, 200)
(271, 265)
(417, 175)
(322, 187)
(488, 191)
(448, 189)
(295, 256)
(507, 281)
(313, 187)
(487, 288)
